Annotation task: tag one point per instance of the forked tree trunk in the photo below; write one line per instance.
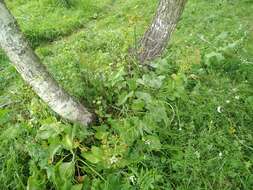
(34, 72)
(159, 33)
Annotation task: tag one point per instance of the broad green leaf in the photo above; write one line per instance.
(37, 181)
(12, 132)
(54, 147)
(213, 55)
(47, 131)
(68, 142)
(101, 135)
(67, 170)
(124, 97)
(35, 184)
(95, 156)
(128, 130)
(151, 80)
(138, 105)
(157, 111)
(132, 84)
(77, 187)
(144, 96)
(91, 157)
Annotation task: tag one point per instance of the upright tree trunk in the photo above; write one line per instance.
(159, 33)
(34, 72)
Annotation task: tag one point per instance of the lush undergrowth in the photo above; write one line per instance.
(186, 123)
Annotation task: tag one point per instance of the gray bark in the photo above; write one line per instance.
(35, 73)
(159, 33)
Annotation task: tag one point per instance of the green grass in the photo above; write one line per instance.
(186, 124)
(48, 20)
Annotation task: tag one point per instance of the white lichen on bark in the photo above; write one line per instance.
(35, 73)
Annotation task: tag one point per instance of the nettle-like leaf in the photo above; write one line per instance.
(127, 129)
(67, 170)
(131, 83)
(148, 124)
(157, 111)
(68, 142)
(138, 105)
(54, 147)
(146, 97)
(124, 97)
(151, 80)
(95, 156)
(35, 184)
(12, 132)
(175, 87)
(76, 131)
(37, 181)
(162, 66)
(217, 56)
(62, 174)
(49, 131)
(101, 133)
(77, 187)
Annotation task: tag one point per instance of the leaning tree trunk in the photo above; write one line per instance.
(159, 33)
(34, 72)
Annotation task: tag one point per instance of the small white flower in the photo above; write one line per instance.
(219, 109)
(180, 129)
(197, 154)
(147, 142)
(237, 97)
(113, 159)
(132, 178)
(227, 101)
(234, 89)
(220, 154)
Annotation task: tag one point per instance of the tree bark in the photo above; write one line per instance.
(159, 33)
(35, 73)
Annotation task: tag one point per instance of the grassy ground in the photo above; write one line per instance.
(187, 124)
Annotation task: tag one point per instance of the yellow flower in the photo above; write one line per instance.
(232, 130)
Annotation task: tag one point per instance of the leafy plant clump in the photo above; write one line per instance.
(183, 123)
